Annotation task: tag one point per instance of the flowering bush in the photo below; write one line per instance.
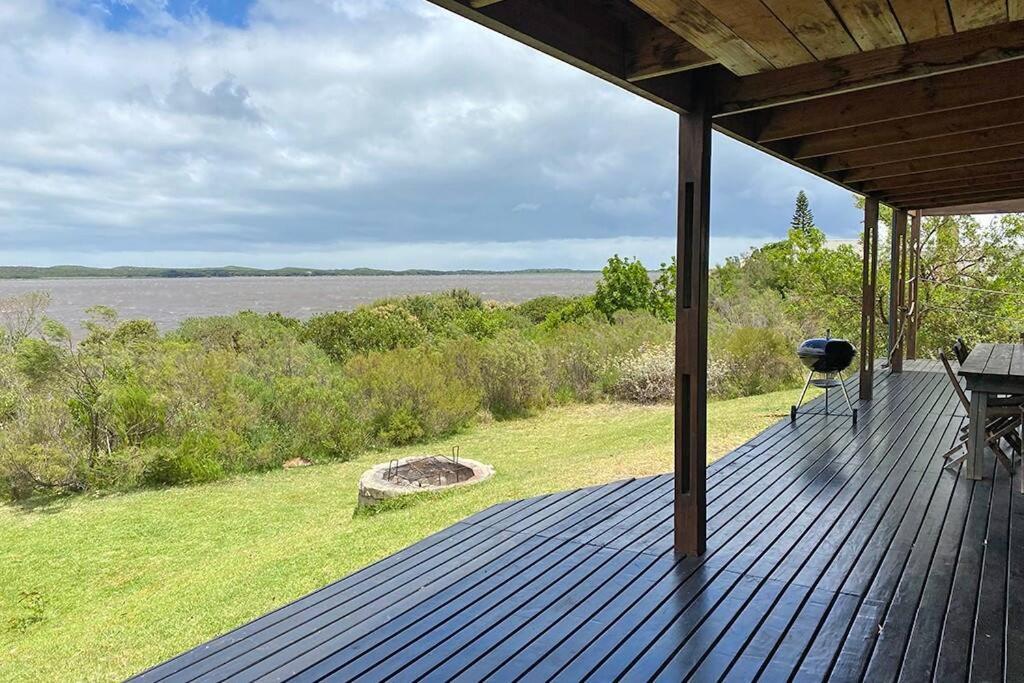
(648, 375)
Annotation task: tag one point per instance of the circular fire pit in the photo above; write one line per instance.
(419, 475)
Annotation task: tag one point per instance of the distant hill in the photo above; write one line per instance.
(37, 273)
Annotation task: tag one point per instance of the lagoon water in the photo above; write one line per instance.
(169, 301)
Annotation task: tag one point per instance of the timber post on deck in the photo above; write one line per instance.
(869, 280)
(897, 277)
(692, 233)
(914, 269)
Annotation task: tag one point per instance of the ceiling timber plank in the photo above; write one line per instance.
(923, 19)
(988, 45)
(816, 25)
(968, 14)
(697, 25)
(755, 24)
(656, 50)
(870, 22)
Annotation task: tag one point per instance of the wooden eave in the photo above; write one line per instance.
(914, 102)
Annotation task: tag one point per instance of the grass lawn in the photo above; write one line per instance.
(101, 587)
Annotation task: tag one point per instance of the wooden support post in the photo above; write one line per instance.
(915, 273)
(869, 279)
(692, 330)
(901, 297)
(896, 279)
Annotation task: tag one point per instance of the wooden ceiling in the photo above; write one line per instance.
(919, 103)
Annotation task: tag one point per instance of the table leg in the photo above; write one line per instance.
(976, 434)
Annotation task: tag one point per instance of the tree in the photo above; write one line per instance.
(803, 219)
(625, 286)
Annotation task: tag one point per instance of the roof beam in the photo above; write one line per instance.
(584, 34)
(970, 173)
(1002, 206)
(967, 198)
(945, 54)
(936, 163)
(920, 149)
(699, 26)
(1000, 182)
(915, 128)
(963, 188)
(981, 85)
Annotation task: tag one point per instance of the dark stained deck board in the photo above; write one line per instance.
(834, 552)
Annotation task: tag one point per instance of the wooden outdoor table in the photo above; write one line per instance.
(990, 370)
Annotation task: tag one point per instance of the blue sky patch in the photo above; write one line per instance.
(136, 15)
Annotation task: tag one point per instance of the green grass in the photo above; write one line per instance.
(101, 587)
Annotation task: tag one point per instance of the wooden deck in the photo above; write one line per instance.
(834, 552)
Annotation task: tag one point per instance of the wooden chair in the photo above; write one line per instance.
(961, 350)
(1003, 423)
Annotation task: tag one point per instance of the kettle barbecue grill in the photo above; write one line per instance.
(828, 358)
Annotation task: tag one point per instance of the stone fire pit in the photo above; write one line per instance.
(419, 474)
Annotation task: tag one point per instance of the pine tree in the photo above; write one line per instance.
(803, 219)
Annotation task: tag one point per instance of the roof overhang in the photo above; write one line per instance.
(919, 103)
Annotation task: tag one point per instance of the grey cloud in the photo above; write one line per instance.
(226, 99)
(377, 121)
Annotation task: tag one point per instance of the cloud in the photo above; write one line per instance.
(226, 99)
(366, 121)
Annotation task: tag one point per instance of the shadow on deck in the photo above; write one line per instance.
(834, 552)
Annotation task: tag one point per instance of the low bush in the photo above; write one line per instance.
(647, 375)
(758, 360)
(378, 328)
(512, 369)
(581, 356)
(538, 309)
(408, 395)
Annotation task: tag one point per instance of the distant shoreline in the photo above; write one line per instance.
(121, 272)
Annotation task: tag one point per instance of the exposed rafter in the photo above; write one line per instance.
(981, 85)
(990, 45)
(903, 105)
(921, 149)
(911, 129)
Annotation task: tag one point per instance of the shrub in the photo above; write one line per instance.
(315, 417)
(537, 310)
(413, 394)
(512, 369)
(577, 310)
(379, 328)
(240, 333)
(581, 357)
(196, 459)
(36, 359)
(647, 375)
(758, 360)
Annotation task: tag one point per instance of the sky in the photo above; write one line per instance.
(341, 133)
